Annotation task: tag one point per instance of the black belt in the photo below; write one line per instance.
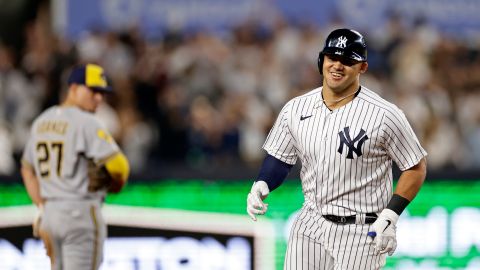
(369, 219)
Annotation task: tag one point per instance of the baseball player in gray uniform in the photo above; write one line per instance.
(346, 137)
(65, 143)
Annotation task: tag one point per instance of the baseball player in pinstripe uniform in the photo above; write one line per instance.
(346, 137)
(64, 141)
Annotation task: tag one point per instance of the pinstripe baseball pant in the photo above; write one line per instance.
(318, 244)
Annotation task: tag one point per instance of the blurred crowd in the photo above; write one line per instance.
(201, 98)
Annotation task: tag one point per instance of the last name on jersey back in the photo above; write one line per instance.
(52, 126)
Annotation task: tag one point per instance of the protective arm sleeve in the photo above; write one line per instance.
(118, 168)
(273, 172)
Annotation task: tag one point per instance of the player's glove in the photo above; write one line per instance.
(36, 222)
(99, 178)
(255, 204)
(383, 232)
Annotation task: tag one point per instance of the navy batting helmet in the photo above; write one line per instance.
(345, 43)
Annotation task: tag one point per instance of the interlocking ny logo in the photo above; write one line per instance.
(346, 140)
(341, 42)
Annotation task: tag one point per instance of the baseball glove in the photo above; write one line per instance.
(99, 178)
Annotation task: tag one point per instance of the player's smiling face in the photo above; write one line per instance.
(341, 75)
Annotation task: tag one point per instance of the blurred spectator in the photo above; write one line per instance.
(7, 162)
(20, 98)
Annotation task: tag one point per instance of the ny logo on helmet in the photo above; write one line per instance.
(345, 139)
(341, 42)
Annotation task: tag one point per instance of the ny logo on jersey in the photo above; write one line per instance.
(341, 42)
(345, 139)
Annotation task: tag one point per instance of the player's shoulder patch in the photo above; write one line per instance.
(104, 135)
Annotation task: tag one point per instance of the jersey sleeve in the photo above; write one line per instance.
(401, 142)
(95, 141)
(280, 143)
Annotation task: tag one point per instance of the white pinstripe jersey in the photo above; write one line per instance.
(347, 153)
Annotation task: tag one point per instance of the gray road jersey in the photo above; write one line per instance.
(346, 153)
(62, 139)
